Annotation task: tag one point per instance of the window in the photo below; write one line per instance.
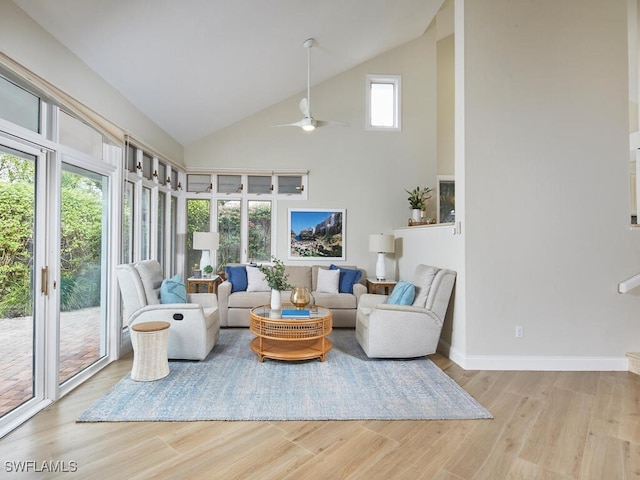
(127, 223)
(161, 174)
(174, 231)
(76, 134)
(131, 161)
(229, 183)
(160, 244)
(198, 183)
(19, 106)
(198, 220)
(145, 223)
(148, 231)
(259, 230)
(147, 166)
(259, 184)
(174, 180)
(290, 185)
(240, 207)
(383, 102)
(229, 216)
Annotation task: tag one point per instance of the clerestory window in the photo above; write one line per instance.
(383, 103)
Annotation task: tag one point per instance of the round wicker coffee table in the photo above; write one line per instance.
(290, 338)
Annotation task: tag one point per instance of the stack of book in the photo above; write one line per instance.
(295, 313)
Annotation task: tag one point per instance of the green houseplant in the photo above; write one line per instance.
(208, 270)
(277, 279)
(418, 197)
(417, 201)
(275, 275)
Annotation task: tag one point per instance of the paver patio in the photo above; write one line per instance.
(79, 348)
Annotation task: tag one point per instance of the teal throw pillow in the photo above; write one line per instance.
(402, 294)
(348, 278)
(237, 276)
(172, 290)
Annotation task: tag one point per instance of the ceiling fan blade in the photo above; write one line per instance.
(308, 124)
(331, 123)
(296, 124)
(304, 107)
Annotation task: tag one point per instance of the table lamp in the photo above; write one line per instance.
(206, 241)
(381, 243)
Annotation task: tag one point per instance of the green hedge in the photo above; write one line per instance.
(81, 231)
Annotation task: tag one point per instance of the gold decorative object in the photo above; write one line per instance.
(300, 297)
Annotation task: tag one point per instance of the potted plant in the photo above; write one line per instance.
(276, 278)
(208, 270)
(417, 201)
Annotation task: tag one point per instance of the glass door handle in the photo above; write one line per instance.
(44, 280)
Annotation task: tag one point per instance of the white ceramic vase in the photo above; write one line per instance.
(276, 300)
(416, 215)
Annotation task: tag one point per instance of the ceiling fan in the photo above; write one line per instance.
(308, 123)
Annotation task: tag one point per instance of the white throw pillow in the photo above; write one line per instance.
(256, 281)
(328, 280)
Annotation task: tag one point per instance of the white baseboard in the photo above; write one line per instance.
(515, 362)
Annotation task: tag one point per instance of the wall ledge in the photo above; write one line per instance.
(419, 227)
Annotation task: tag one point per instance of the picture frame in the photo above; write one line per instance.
(317, 233)
(446, 199)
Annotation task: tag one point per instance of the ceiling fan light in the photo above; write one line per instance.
(308, 124)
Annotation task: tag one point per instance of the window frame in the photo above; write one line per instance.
(165, 254)
(396, 81)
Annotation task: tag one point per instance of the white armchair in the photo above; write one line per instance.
(195, 326)
(406, 331)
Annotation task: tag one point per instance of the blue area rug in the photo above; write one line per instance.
(230, 384)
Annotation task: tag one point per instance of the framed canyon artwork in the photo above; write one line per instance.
(316, 233)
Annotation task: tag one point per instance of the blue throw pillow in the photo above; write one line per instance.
(403, 294)
(172, 290)
(237, 275)
(348, 278)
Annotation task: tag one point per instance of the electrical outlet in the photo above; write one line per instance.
(519, 331)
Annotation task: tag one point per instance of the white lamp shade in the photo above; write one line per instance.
(206, 240)
(382, 243)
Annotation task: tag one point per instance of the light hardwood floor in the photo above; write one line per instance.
(547, 425)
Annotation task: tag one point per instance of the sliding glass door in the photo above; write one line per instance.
(53, 276)
(21, 315)
(83, 234)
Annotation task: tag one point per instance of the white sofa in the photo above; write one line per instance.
(195, 326)
(234, 307)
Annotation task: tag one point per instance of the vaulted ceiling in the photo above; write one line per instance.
(196, 66)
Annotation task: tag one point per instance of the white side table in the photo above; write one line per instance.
(150, 341)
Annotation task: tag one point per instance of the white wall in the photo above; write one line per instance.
(546, 230)
(365, 172)
(30, 45)
(446, 88)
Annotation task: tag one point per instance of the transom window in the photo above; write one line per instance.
(19, 106)
(241, 208)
